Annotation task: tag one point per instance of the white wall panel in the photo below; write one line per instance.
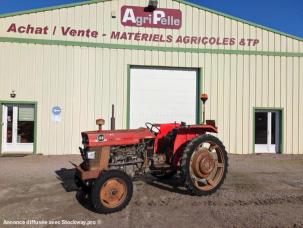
(220, 92)
(259, 80)
(277, 81)
(265, 40)
(277, 42)
(227, 30)
(271, 81)
(252, 99)
(214, 87)
(240, 33)
(295, 107)
(233, 104)
(289, 105)
(264, 82)
(239, 104)
(246, 33)
(246, 129)
(271, 41)
(226, 112)
(283, 91)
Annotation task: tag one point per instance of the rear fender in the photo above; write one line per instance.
(180, 143)
(160, 141)
(185, 135)
(182, 139)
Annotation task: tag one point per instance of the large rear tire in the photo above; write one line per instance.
(111, 192)
(204, 165)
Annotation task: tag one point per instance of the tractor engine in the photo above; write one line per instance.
(132, 159)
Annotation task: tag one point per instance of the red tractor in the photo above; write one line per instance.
(111, 158)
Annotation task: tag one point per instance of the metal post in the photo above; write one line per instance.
(204, 98)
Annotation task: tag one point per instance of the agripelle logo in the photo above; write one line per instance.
(160, 18)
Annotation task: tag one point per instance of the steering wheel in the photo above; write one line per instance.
(153, 128)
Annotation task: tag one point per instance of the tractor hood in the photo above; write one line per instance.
(115, 137)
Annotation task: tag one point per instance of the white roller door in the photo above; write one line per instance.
(162, 95)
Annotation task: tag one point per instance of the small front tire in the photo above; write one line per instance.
(111, 192)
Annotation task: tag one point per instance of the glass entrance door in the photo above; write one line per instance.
(18, 124)
(267, 131)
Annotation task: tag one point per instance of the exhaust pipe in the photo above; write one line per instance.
(113, 119)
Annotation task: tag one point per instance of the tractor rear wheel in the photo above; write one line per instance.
(204, 165)
(112, 191)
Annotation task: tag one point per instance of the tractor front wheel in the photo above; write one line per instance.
(204, 165)
(112, 191)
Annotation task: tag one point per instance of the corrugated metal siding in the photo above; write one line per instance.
(86, 81)
(196, 22)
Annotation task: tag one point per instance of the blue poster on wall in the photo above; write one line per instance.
(56, 114)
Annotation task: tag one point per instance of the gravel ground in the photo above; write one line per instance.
(260, 191)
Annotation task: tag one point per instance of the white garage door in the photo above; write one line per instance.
(162, 95)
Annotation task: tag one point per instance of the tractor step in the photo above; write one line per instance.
(161, 166)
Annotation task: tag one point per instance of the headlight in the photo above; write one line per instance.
(91, 155)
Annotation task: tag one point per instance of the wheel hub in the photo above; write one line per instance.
(113, 192)
(203, 163)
